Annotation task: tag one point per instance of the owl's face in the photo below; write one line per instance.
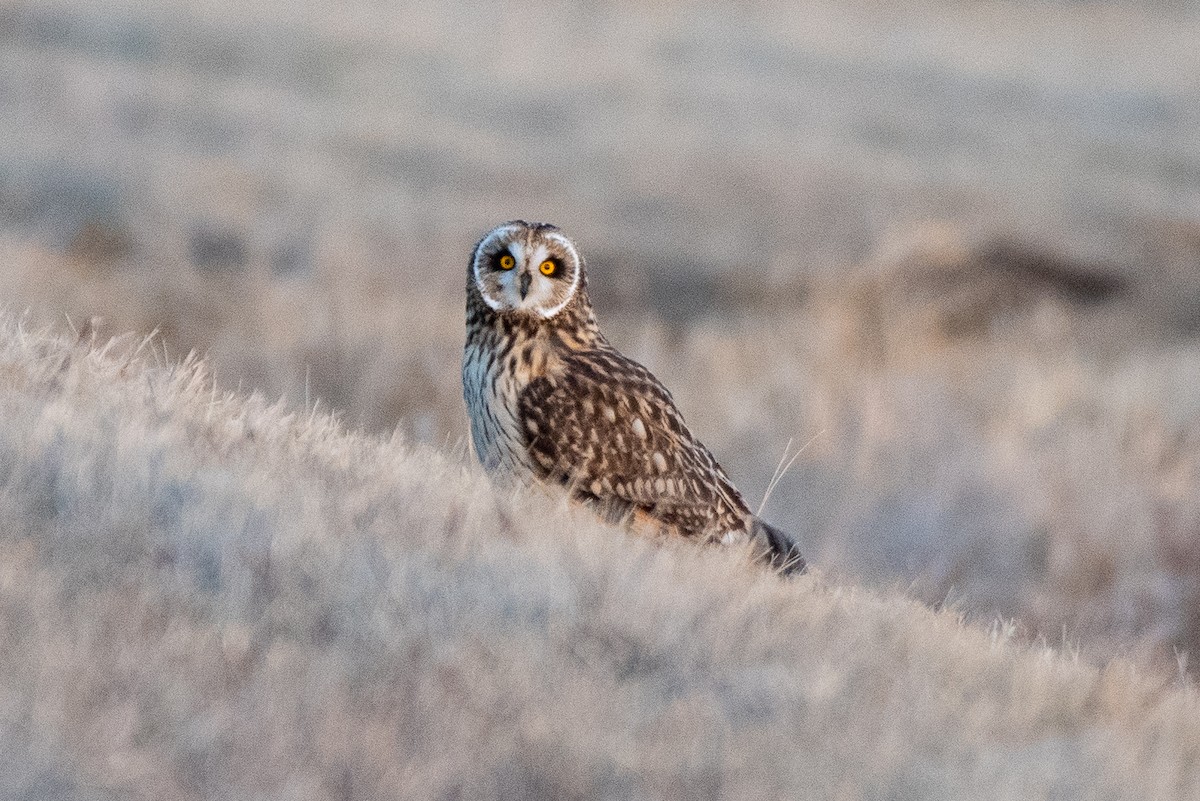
(526, 268)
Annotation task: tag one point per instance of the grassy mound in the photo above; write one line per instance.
(204, 595)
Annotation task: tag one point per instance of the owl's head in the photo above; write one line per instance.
(526, 268)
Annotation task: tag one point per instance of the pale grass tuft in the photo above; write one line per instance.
(785, 464)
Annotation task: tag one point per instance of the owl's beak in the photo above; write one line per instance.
(523, 281)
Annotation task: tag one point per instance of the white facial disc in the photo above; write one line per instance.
(567, 246)
(479, 251)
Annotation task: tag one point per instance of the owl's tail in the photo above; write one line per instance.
(778, 547)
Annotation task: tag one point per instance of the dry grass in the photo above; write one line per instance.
(203, 595)
(874, 227)
(974, 436)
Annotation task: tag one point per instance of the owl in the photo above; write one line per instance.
(552, 402)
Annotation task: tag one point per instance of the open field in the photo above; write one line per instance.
(203, 595)
(951, 247)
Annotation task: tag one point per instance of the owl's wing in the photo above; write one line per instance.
(606, 428)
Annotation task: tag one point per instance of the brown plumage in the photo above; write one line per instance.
(552, 401)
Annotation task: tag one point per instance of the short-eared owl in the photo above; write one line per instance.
(551, 401)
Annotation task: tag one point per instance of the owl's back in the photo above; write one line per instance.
(609, 429)
(549, 406)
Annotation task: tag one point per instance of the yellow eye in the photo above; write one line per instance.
(548, 267)
(507, 262)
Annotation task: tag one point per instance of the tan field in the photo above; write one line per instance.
(948, 250)
(207, 596)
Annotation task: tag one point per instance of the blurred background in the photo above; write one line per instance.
(950, 249)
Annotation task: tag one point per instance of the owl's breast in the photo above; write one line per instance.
(493, 379)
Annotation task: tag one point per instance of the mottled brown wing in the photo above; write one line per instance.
(610, 431)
